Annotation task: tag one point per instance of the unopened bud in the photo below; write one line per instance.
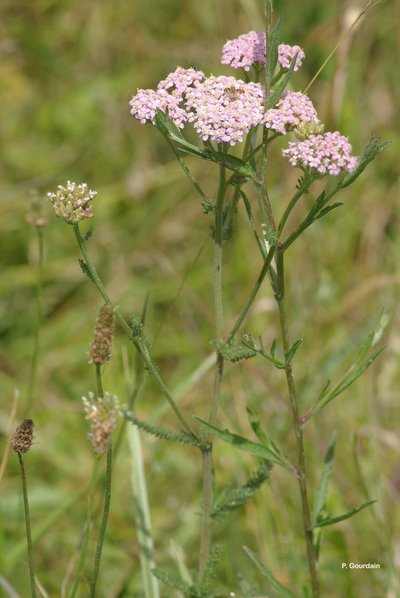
(305, 129)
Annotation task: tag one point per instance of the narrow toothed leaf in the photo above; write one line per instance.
(243, 444)
(339, 518)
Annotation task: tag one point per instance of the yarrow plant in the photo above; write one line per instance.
(204, 117)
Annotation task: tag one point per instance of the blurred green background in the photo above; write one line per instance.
(67, 72)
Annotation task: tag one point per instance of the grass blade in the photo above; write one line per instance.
(278, 587)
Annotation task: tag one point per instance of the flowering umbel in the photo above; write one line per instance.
(293, 109)
(250, 49)
(102, 414)
(21, 440)
(329, 153)
(72, 203)
(100, 349)
(223, 109)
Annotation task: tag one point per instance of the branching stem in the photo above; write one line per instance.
(128, 331)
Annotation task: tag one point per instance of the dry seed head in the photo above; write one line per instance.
(21, 440)
(102, 414)
(100, 349)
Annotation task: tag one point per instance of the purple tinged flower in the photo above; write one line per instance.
(223, 109)
(178, 82)
(286, 54)
(245, 50)
(329, 153)
(145, 103)
(292, 109)
(169, 96)
(250, 48)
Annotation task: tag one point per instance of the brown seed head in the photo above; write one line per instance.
(100, 349)
(22, 438)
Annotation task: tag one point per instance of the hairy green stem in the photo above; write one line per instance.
(128, 331)
(39, 319)
(28, 526)
(268, 257)
(301, 190)
(298, 429)
(208, 473)
(253, 294)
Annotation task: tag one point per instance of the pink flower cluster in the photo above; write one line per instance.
(145, 103)
(291, 110)
(329, 153)
(223, 109)
(245, 50)
(179, 81)
(286, 54)
(250, 48)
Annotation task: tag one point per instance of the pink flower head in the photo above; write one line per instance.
(250, 48)
(292, 109)
(145, 103)
(245, 50)
(329, 153)
(223, 109)
(178, 81)
(286, 54)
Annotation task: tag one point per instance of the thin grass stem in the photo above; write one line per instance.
(28, 526)
(103, 525)
(87, 528)
(39, 319)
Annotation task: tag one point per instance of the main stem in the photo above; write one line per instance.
(28, 526)
(208, 473)
(298, 429)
